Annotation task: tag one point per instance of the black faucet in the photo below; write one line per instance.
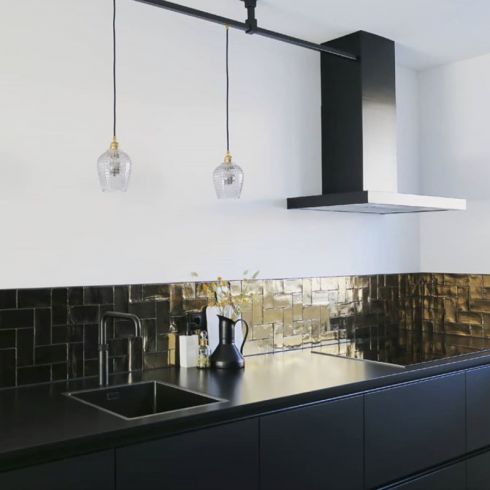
(104, 347)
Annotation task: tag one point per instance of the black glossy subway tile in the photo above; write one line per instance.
(118, 347)
(16, 318)
(60, 334)
(118, 365)
(137, 346)
(123, 328)
(163, 314)
(162, 342)
(75, 332)
(59, 300)
(8, 298)
(90, 341)
(59, 371)
(25, 347)
(149, 335)
(90, 367)
(75, 360)
(156, 360)
(84, 314)
(135, 293)
(96, 295)
(75, 296)
(33, 374)
(7, 367)
(121, 298)
(105, 308)
(42, 325)
(143, 310)
(60, 315)
(29, 298)
(155, 292)
(59, 297)
(7, 339)
(45, 354)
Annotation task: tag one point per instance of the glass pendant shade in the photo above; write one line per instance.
(228, 179)
(114, 167)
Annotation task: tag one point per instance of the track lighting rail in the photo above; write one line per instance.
(250, 27)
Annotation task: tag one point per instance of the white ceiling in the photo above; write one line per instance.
(427, 32)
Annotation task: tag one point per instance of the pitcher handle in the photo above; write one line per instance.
(246, 333)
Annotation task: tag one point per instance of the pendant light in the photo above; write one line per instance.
(114, 166)
(228, 177)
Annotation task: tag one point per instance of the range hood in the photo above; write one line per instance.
(359, 170)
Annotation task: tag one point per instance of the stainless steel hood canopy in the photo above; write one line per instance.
(359, 171)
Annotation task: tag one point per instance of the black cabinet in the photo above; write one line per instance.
(414, 426)
(478, 407)
(316, 447)
(218, 458)
(478, 472)
(81, 473)
(450, 478)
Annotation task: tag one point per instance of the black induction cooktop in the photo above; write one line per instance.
(404, 348)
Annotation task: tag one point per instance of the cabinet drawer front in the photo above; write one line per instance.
(478, 407)
(218, 458)
(317, 447)
(80, 473)
(413, 426)
(450, 478)
(478, 472)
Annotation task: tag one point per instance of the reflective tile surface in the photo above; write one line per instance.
(50, 334)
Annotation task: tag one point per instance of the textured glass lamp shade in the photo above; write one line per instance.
(114, 167)
(228, 179)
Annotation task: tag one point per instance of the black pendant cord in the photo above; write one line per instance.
(227, 93)
(114, 108)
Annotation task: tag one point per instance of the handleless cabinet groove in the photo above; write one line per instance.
(450, 478)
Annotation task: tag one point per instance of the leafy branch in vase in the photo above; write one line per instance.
(220, 295)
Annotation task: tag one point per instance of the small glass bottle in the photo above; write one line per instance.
(173, 345)
(203, 356)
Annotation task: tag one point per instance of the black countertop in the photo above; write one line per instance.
(39, 423)
(405, 347)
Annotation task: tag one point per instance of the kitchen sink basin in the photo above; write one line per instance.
(142, 399)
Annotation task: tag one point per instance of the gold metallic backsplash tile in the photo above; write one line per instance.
(456, 304)
(50, 333)
(301, 312)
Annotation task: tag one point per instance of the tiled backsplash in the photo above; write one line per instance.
(51, 334)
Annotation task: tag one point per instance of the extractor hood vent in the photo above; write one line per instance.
(359, 171)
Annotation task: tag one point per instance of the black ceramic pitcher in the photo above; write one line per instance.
(226, 355)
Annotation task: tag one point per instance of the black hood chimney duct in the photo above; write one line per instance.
(359, 170)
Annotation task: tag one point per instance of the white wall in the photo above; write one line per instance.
(55, 120)
(455, 159)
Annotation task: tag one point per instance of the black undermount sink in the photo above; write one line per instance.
(142, 399)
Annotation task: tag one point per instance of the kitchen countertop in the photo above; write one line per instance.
(39, 423)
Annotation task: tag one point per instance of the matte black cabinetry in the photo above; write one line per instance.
(218, 458)
(411, 427)
(88, 472)
(450, 478)
(478, 472)
(317, 447)
(478, 407)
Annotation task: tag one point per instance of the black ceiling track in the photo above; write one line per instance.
(250, 26)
